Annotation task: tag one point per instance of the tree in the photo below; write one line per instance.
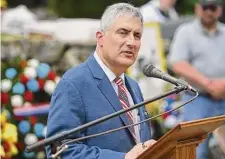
(185, 6)
(85, 8)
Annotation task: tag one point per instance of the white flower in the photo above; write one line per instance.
(33, 63)
(170, 121)
(30, 72)
(30, 139)
(6, 85)
(49, 86)
(17, 101)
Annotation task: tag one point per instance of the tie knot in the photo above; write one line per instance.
(118, 81)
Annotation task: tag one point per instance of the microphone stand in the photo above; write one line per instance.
(66, 134)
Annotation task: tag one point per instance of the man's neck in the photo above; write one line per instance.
(163, 8)
(210, 27)
(117, 71)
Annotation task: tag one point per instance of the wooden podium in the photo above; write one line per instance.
(181, 141)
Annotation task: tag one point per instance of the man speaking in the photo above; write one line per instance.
(99, 87)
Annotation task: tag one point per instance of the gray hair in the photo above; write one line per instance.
(116, 10)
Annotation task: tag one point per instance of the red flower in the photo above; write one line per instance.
(19, 118)
(165, 116)
(4, 98)
(33, 120)
(6, 146)
(51, 75)
(28, 96)
(6, 157)
(20, 145)
(23, 79)
(41, 83)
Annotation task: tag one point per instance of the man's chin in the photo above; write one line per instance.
(210, 22)
(127, 64)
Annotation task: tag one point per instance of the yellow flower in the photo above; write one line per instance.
(9, 133)
(2, 151)
(12, 150)
(3, 118)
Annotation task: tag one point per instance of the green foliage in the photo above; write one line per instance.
(186, 6)
(94, 8)
(85, 8)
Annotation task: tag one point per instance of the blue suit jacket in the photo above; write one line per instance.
(85, 94)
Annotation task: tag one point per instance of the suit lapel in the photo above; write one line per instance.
(106, 88)
(145, 132)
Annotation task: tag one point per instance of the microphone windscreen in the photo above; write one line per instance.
(148, 69)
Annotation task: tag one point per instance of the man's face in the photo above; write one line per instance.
(209, 14)
(168, 3)
(120, 43)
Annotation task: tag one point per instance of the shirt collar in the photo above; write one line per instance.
(204, 31)
(111, 76)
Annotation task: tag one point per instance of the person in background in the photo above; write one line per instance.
(197, 54)
(99, 87)
(159, 11)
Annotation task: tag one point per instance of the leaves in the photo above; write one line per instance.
(85, 8)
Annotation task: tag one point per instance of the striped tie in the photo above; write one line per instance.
(124, 101)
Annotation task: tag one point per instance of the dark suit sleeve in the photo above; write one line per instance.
(67, 111)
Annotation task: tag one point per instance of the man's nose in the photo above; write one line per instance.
(131, 40)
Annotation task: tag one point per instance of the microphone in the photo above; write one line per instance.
(151, 71)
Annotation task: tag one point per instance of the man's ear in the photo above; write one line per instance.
(99, 37)
(219, 12)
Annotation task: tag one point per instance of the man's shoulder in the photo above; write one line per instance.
(188, 26)
(186, 29)
(148, 13)
(76, 73)
(148, 10)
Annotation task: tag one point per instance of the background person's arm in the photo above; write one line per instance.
(179, 61)
(185, 70)
(215, 87)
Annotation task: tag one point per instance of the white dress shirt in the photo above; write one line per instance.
(111, 76)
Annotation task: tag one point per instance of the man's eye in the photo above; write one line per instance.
(138, 37)
(122, 32)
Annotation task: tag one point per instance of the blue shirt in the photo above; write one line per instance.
(203, 50)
